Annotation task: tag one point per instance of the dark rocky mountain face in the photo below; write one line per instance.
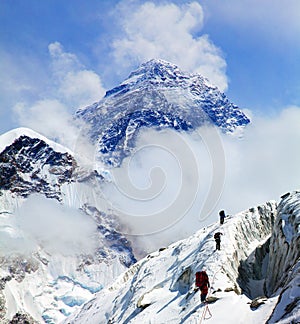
(157, 95)
(30, 165)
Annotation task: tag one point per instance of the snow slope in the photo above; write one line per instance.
(160, 287)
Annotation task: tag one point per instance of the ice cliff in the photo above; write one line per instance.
(283, 275)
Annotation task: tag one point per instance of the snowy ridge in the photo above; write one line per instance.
(259, 255)
(8, 138)
(160, 287)
(286, 239)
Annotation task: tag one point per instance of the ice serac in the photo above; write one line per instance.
(40, 284)
(159, 95)
(160, 287)
(284, 261)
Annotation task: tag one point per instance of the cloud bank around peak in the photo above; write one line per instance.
(265, 163)
(259, 167)
(170, 32)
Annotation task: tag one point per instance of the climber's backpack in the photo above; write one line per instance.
(217, 236)
(201, 279)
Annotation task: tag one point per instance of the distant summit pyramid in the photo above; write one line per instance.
(159, 95)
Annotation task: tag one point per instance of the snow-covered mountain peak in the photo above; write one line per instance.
(157, 95)
(30, 163)
(9, 137)
(157, 71)
(259, 254)
(160, 74)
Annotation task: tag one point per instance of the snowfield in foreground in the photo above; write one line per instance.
(160, 287)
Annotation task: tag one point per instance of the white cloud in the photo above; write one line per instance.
(265, 163)
(12, 80)
(261, 166)
(76, 85)
(81, 88)
(44, 222)
(274, 20)
(72, 87)
(17, 82)
(49, 117)
(169, 32)
(62, 61)
(159, 191)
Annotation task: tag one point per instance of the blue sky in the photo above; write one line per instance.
(57, 56)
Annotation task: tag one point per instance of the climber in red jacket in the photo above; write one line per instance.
(202, 282)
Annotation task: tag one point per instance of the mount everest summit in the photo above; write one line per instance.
(103, 282)
(157, 95)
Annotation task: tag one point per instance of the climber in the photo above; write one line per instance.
(222, 216)
(217, 238)
(203, 283)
